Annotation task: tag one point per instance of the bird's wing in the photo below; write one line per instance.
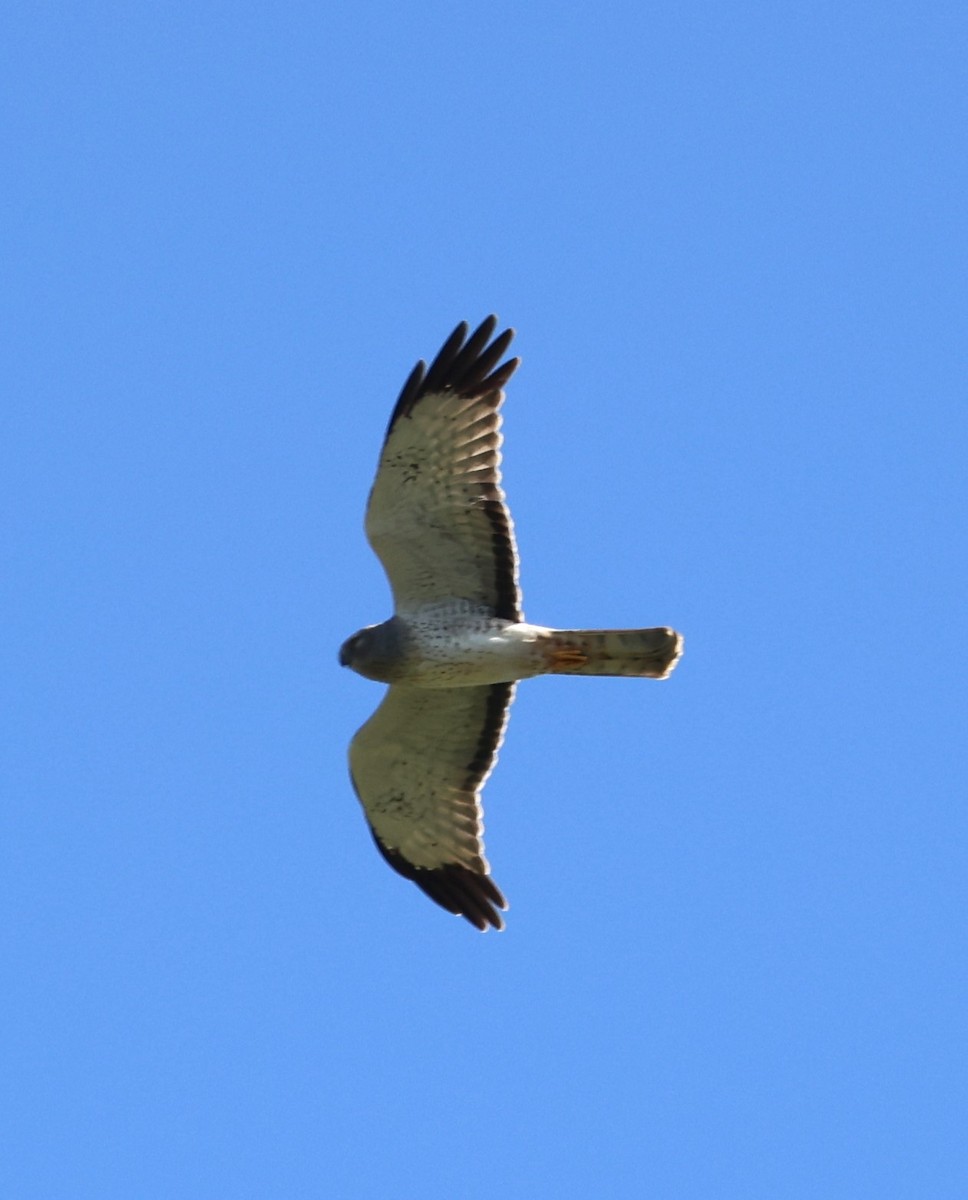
(418, 766)
(437, 517)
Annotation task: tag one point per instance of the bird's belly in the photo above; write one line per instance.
(471, 658)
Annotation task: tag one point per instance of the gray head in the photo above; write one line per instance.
(374, 652)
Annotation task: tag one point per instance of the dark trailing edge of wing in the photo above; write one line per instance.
(507, 604)
(454, 887)
(495, 718)
(465, 366)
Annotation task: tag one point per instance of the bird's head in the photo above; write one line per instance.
(373, 652)
(354, 648)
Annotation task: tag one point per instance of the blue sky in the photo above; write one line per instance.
(732, 241)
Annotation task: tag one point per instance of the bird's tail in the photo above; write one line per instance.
(643, 653)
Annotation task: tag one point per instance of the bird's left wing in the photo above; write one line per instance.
(418, 766)
(436, 516)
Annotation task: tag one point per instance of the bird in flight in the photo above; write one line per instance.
(458, 642)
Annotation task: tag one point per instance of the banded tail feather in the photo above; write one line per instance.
(638, 653)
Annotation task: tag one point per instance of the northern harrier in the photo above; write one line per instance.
(458, 641)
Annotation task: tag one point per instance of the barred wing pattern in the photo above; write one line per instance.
(436, 516)
(418, 766)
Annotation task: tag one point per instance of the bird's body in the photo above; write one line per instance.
(457, 642)
(451, 644)
(454, 644)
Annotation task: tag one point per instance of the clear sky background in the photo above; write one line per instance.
(732, 240)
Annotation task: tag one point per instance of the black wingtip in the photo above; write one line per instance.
(465, 365)
(457, 888)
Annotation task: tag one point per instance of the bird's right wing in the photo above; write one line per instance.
(418, 766)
